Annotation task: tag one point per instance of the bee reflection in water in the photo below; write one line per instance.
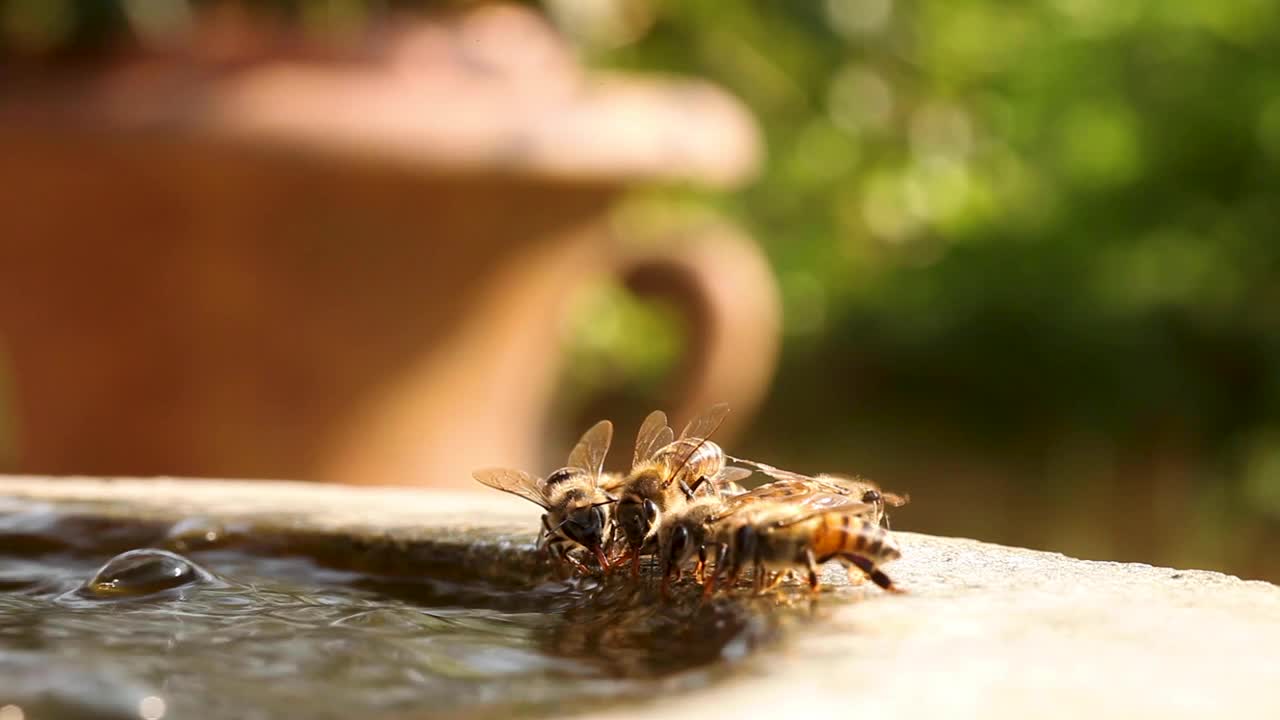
(611, 629)
(630, 632)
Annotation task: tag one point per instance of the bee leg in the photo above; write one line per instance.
(733, 572)
(556, 552)
(856, 576)
(544, 538)
(709, 584)
(612, 544)
(577, 565)
(556, 546)
(873, 572)
(602, 560)
(812, 562)
(700, 570)
(624, 558)
(688, 491)
(635, 565)
(773, 580)
(669, 576)
(761, 574)
(744, 550)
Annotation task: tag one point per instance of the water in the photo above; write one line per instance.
(94, 625)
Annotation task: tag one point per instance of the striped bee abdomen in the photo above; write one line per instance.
(706, 460)
(845, 534)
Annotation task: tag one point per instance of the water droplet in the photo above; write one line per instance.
(144, 572)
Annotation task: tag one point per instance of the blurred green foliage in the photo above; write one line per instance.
(998, 225)
(1022, 216)
(1062, 212)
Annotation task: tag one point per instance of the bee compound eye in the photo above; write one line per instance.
(679, 537)
(630, 517)
(650, 511)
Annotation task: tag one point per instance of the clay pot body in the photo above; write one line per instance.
(271, 290)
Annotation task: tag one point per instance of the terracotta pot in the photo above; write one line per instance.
(352, 268)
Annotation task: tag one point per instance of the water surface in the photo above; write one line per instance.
(93, 624)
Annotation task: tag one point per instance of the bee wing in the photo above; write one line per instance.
(725, 483)
(654, 435)
(771, 471)
(695, 435)
(780, 492)
(515, 482)
(728, 478)
(855, 509)
(894, 499)
(704, 426)
(821, 503)
(861, 484)
(761, 512)
(591, 450)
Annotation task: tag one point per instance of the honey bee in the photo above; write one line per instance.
(707, 525)
(778, 529)
(686, 531)
(666, 474)
(574, 497)
(865, 490)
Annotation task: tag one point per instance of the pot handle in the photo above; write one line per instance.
(722, 284)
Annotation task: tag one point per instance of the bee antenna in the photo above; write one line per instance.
(610, 501)
(551, 530)
(689, 455)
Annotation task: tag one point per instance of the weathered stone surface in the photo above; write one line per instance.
(983, 631)
(996, 632)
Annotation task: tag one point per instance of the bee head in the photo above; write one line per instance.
(680, 545)
(585, 526)
(637, 518)
(872, 497)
